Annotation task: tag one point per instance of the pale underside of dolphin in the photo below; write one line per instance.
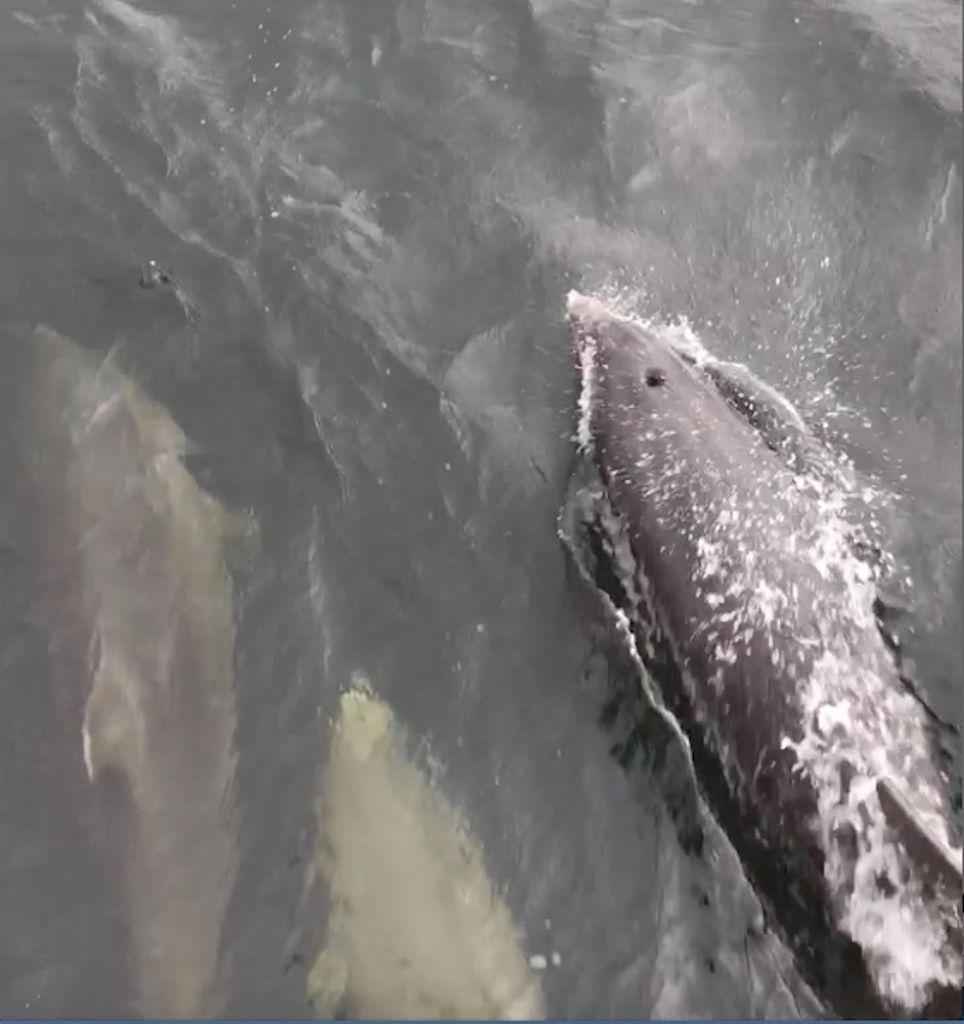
(157, 601)
(751, 610)
(416, 929)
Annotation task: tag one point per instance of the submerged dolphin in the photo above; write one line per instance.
(753, 614)
(157, 607)
(416, 928)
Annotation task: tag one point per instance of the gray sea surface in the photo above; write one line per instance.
(286, 630)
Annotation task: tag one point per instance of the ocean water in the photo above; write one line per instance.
(340, 403)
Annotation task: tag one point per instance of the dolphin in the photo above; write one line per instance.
(416, 928)
(754, 616)
(156, 602)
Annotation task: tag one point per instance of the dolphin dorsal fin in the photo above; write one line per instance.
(931, 852)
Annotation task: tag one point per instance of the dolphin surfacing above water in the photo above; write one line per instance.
(755, 618)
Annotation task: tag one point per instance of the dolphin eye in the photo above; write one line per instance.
(655, 377)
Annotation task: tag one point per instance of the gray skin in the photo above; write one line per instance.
(682, 469)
